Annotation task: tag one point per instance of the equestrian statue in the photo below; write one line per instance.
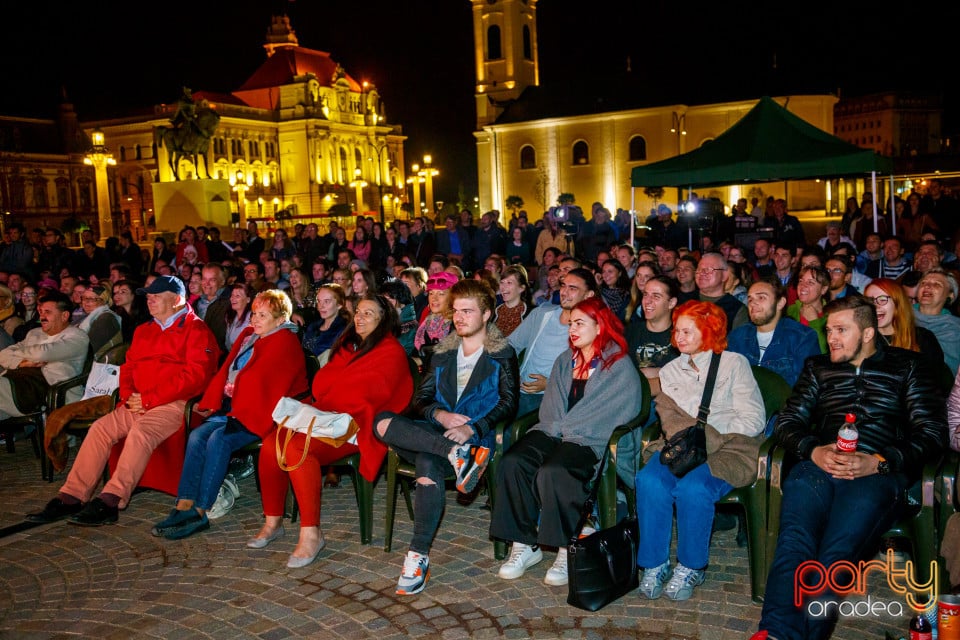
(192, 127)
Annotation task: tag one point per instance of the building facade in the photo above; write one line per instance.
(297, 138)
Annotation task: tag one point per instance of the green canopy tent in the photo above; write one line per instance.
(769, 144)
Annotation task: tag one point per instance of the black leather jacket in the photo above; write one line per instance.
(900, 413)
(492, 392)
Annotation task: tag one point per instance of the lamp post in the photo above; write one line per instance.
(428, 173)
(240, 184)
(380, 148)
(679, 127)
(358, 183)
(99, 158)
(415, 179)
(138, 221)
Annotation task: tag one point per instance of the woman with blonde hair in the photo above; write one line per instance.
(9, 320)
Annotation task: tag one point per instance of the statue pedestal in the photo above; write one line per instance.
(193, 203)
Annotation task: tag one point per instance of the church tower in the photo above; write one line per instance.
(505, 49)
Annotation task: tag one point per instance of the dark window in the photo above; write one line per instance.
(581, 153)
(528, 157)
(527, 46)
(493, 43)
(638, 148)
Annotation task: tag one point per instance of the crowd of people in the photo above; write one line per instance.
(588, 310)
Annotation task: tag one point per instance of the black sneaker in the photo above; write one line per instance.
(55, 510)
(96, 513)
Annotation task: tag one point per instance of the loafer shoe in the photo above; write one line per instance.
(260, 543)
(55, 510)
(174, 520)
(296, 562)
(189, 527)
(95, 513)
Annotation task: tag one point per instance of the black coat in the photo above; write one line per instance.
(900, 412)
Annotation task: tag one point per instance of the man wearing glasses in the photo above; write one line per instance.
(839, 268)
(711, 277)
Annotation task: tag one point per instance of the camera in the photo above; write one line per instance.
(563, 215)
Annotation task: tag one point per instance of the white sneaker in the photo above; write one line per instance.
(522, 557)
(557, 574)
(231, 484)
(224, 502)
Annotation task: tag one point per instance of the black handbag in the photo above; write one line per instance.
(686, 450)
(602, 566)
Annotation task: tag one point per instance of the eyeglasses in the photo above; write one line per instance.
(89, 299)
(879, 300)
(708, 271)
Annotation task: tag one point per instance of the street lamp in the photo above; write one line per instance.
(679, 127)
(428, 174)
(240, 184)
(99, 158)
(380, 148)
(358, 183)
(415, 179)
(138, 221)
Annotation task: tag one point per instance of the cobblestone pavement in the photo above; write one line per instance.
(117, 581)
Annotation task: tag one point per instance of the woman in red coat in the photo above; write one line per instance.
(367, 373)
(237, 408)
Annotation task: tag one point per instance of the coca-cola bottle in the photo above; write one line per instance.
(920, 628)
(848, 435)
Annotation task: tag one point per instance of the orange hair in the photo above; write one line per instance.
(904, 327)
(710, 320)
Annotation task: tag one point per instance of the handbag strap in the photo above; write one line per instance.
(708, 389)
(587, 509)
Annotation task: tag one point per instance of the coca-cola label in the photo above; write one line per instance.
(847, 440)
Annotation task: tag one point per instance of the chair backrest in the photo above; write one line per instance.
(774, 389)
(116, 354)
(313, 365)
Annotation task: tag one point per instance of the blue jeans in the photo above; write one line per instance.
(694, 495)
(827, 520)
(208, 455)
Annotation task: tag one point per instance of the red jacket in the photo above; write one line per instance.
(378, 381)
(164, 366)
(277, 368)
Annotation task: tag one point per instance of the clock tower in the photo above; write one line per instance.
(505, 49)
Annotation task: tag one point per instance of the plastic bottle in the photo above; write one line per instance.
(848, 435)
(920, 628)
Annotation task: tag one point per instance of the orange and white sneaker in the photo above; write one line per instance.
(415, 573)
(471, 468)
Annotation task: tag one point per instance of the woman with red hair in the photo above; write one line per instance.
(542, 480)
(734, 429)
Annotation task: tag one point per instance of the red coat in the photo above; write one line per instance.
(273, 371)
(164, 366)
(176, 364)
(378, 381)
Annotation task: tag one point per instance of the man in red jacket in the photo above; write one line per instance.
(170, 360)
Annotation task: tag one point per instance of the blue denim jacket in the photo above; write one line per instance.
(792, 343)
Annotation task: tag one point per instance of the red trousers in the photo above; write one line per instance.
(307, 479)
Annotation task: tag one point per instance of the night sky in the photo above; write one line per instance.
(111, 56)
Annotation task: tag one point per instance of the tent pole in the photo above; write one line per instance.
(893, 208)
(873, 182)
(633, 213)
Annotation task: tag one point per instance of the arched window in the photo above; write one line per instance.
(528, 157)
(493, 43)
(581, 153)
(638, 148)
(527, 47)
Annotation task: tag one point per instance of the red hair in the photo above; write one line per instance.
(711, 322)
(609, 329)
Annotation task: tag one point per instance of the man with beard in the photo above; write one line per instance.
(544, 336)
(771, 339)
(470, 386)
(836, 505)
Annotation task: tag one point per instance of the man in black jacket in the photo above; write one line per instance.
(837, 505)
